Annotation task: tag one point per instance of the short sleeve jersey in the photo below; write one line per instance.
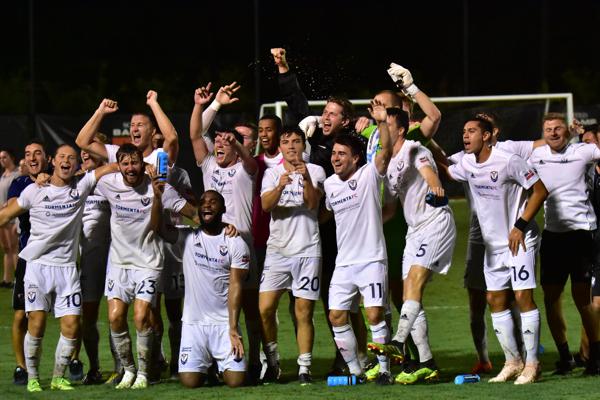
(55, 214)
(567, 207)
(406, 183)
(294, 229)
(133, 244)
(207, 262)
(498, 189)
(356, 206)
(237, 187)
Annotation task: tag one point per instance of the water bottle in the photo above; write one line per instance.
(341, 380)
(162, 166)
(466, 378)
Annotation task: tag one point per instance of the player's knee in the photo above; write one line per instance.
(304, 313)
(338, 317)
(524, 299)
(190, 380)
(235, 381)
(267, 311)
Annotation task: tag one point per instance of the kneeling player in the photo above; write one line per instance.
(214, 266)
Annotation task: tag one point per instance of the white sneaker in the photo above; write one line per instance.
(531, 373)
(141, 382)
(511, 370)
(126, 381)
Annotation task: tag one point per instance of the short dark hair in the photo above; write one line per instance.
(147, 115)
(278, 123)
(356, 146)
(129, 149)
(250, 126)
(39, 143)
(238, 136)
(219, 196)
(401, 117)
(347, 107)
(290, 129)
(490, 116)
(554, 115)
(11, 154)
(484, 124)
(60, 146)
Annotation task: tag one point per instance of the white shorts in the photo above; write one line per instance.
(503, 271)
(430, 246)
(370, 280)
(301, 275)
(201, 344)
(129, 284)
(50, 288)
(93, 272)
(474, 277)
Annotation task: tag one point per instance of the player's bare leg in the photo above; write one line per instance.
(19, 329)
(558, 326)
(305, 335)
(477, 309)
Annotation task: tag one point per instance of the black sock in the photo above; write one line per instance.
(563, 351)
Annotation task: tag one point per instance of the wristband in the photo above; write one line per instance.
(215, 105)
(521, 224)
(412, 90)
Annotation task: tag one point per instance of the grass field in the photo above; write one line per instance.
(447, 311)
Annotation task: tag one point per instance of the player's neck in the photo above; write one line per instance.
(272, 153)
(146, 151)
(214, 228)
(58, 181)
(398, 144)
(484, 154)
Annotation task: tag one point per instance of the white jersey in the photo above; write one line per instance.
(498, 189)
(55, 214)
(111, 151)
(207, 262)
(180, 180)
(522, 148)
(96, 219)
(237, 187)
(271, 162)
(294, 229)
(567, 207)
(133, 245)
(405, 182)
(356, 206)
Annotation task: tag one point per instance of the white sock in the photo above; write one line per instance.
(530, 324)
(419, 333)
(122, 343)
(504, 329)
(408, 315)
(144, 350)
(304, 363)
(272, 353)
(113, 352)
(346, 343)
(33, 354)
(516, 314)
(62, 357)
(381, 334)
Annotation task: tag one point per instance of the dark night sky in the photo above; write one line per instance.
(87, 50)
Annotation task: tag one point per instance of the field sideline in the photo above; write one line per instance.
(447, 311)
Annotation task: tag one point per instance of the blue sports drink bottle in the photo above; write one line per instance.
(466, 378)
(162, 165)
(341, 380)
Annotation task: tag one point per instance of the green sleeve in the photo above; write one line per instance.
(414, 133)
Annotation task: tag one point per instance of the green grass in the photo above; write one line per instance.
(446, 305)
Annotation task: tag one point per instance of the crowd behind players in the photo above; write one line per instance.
(309, 216)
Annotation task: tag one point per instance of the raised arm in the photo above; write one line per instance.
(248, 162)
(383, 157)
(171, 145)
(158, 188)
(290, 89)
(202, 96)
(85, 137)
(105, 170)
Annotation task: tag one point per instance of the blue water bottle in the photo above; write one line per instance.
(341, 380)
(162, 166)
(466, 378)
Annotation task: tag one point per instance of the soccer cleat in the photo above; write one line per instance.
(126, 380)
(511, 370)
(393, 350)
(33, 386)
(305, 379)
(564, 367)
(60, 383)
(141, 382)
(20, 376)
(421, 374)
(531, 373)
(75, 370)
(384, 379)
(482, 368)
(372, 371)
(114, 378)
(272, 374)
(93, 378)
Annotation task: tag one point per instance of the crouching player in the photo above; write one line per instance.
(214, 266)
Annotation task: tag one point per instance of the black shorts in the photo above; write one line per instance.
(596, 281)
(565, 254)
(19, 288)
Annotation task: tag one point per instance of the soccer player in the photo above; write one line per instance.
(36, 162)
(8, 234)
(291, 192)
(215, 267)
(51, 278)
(411, 176)
(498, 181)
(353, 195)
(569, 221)
(136, 255)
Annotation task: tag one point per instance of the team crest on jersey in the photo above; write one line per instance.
(145, 201)
(231, 173)
(352, 184)
(111, 285)
(400, 166)
(223, 249)
(494, 176)
(31, 295)
(74, 194)
(184, 358)
(245, 258)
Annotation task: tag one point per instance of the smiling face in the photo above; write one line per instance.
(556, 134)
(211, 208)
(132, 169)
(141, 130)
(333, 119)
(65, 163)
(267, 134)
(35, 158)
(344, 163)
(224, 152)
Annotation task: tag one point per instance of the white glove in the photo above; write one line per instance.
(399, 73)
(309, 124)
